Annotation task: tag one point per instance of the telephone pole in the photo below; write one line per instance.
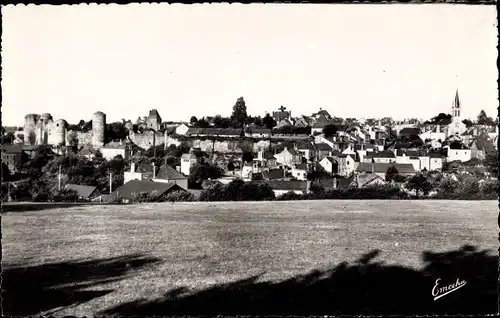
(110, 183)
(59, 179)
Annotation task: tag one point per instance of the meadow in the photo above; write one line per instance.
(290, 257)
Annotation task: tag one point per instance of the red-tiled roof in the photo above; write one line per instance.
(382, 167)
(168, 173)
(137, 186)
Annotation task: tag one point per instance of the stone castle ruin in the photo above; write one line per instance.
(43, 130)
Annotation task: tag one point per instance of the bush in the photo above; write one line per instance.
(238, 190)
(290, 196)
(65, 195)
(178, 196)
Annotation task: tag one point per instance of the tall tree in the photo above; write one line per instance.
(269, 121)
(391, 174)
(193, 120)
(483, 119)
(419, 183)
(239, 114)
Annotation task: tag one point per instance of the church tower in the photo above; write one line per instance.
(455, 108)
(456, 127)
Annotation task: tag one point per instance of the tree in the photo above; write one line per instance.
(202, 123)
(269, 121)
(491, 162)
(467, 122)
(258, 121)
(116, 131)
(483, 119)
(239, 114)
(247, 156)
(200, 172)
(391, 174)
(193, 120)
(419, 183)
(5, 172)
(329, 130)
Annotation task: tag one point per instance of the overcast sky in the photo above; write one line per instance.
(353, 60)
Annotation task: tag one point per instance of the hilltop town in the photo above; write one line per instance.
(290, 154)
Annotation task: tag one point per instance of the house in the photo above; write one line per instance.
(134, 187)
(115, 148)
(188, 160)
(322, 112)
(167, 174)
(385, 156)
(462, 155)
(283, 123)
(330, 165)
(369, 179)
(274, 174)
(299, 171)
(264, 160)
(282, 187)
(306, 149)
(404, 169)
(84, 192)
(322, 150)
(257, 132)
(417, 158)
(12, 155)
(346, 163)
(246, 171)
(479, 146)
(288, 157)
(182, 129)
(320, 123)
(303, 121)
(436, 161)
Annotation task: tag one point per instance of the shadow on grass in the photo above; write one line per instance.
(365, 287)
(35, 289)
(40, 206)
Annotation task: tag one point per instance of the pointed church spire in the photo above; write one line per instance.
(457, 100)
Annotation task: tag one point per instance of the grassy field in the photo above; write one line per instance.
(249, 257)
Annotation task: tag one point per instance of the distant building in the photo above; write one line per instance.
(288, 157)
(405, 169)
(282, 114)
(167, 174)
(188, 160)
(330, 165)
(115, 148)
(369, 179)
(456, 127)
(182, 129)
(153, 121)
(12, 155)
(84, 192)
(462, 155)
(257, 132)
(135, 187)
(282, 187)
(299, 171)
(322, 150)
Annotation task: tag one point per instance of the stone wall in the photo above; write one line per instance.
(84, 138)
(145, 140)
(222, 146)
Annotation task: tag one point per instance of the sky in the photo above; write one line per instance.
(359, 60)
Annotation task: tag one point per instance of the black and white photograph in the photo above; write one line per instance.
(249, 159)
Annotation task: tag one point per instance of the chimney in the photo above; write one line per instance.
(154, 171)
(132, 167)
(260, 155)
(438, 128)
(178, 168)
(334, 183)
